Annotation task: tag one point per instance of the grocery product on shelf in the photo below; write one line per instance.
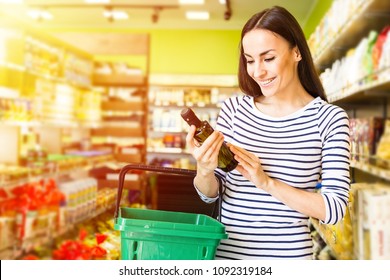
(370, 220)
(383, 150)
(365, 136)
(94, 239)
(16, 109)
(378, 49)
(80, 202)
(31, 210)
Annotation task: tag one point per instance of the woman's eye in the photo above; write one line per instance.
(249, 61)
(269, 59)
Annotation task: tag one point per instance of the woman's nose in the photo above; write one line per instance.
(259, 71)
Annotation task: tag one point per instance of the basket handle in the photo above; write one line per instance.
(160, 169)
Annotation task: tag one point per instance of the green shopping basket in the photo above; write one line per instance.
(165, 235)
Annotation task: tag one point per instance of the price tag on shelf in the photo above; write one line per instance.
(128, 177)
(130, 151)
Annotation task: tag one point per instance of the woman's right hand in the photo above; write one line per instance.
(206, 155)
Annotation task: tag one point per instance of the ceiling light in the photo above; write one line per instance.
(191, 2)
(195, 15)
(40, 15)
(11, 1)
(97, 1)
(115, 15)
(222, 2)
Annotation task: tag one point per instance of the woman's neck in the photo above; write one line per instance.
(283, 104)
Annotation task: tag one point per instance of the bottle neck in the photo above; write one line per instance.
(190, 117)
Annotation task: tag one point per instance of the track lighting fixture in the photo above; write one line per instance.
(112, 14)
(156, 14)
(110, 11)
(228, 12)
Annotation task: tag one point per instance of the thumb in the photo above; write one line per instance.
(190, 137)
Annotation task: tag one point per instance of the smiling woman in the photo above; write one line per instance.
(285, 137)
(275, 70)
(283, 36)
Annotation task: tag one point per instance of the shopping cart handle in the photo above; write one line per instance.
(157, 169)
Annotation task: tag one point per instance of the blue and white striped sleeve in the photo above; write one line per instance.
(335, 134)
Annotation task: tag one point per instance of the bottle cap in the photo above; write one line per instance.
(189, 116)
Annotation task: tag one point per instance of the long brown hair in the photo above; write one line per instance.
(280, 21)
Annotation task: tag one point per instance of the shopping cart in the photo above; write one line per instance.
(165, 235)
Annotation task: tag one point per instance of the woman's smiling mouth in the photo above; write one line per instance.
(265, 83)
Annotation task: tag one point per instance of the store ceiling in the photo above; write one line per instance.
(76, 14)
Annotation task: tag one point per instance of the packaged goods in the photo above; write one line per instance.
(371, 220)
(384, 60)
(383, 150)
(365, 135)
(378, 47)
(367, 62)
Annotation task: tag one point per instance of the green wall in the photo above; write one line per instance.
(194, 51)
(317, 14)
(187, 52)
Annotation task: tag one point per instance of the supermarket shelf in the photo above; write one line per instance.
(119, 80)
(167, 150)
(168, 105)
(129, 157)
(25, 70)
(122, 106)
(350, 33)
(106, 160)
(129, 184)
(118, 131)
(374, 170)
(160, 130)
(58, 79)
(12, 66)
(329, 235)
(71, 124)
(17, 250)
(362, 90)
(53, 123)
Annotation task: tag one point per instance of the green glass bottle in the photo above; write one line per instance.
(226, 159)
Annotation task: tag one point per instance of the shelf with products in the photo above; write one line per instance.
(343, 26)
(95, 239)
(353, 55)
(373, 169)
(48, 109)
(121, 74)
(45, 89)
(40, 230)
(335, 240)
(123, 119)
(124, 102)
(123, 123)
(167, 129)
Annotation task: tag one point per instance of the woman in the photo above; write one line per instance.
(286, 138)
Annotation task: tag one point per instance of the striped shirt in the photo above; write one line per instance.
(298, 149)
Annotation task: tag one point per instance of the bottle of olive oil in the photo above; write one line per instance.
(226, 159)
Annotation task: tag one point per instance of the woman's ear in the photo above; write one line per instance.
(297, 54)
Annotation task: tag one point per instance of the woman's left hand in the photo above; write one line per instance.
(249, 166)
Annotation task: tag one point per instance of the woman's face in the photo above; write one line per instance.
(271, 62)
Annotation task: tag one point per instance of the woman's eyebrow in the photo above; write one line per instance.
(262, 53)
